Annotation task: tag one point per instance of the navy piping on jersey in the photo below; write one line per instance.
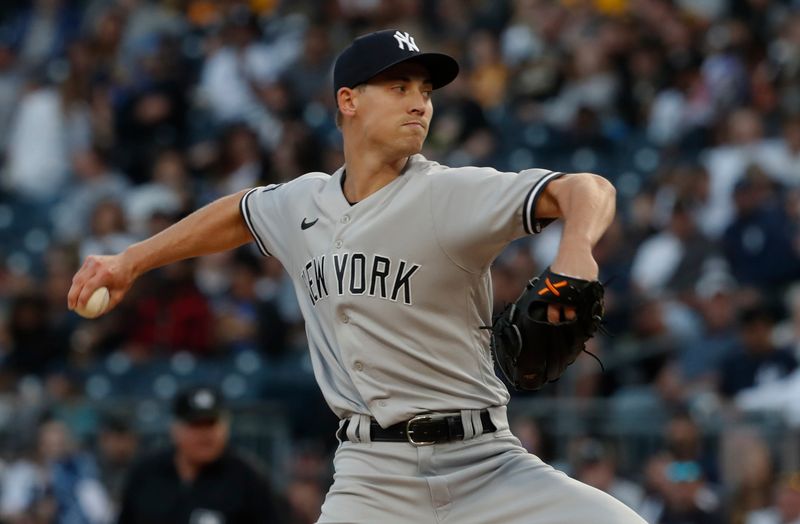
(244, 208)
(529, 221)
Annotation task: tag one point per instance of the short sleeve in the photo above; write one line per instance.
(261, 211)
(478, 211)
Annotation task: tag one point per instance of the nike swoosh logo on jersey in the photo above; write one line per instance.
(305, 225)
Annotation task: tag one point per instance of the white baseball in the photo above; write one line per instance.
(96, 304)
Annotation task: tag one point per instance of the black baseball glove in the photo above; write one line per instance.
(532, 351)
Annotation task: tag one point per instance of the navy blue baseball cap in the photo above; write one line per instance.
(374, 53)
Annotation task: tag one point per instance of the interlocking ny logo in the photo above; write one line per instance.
(407, 39)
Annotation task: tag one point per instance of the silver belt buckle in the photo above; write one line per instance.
(410, 431)
(423, 418)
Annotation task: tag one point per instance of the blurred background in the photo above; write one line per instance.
(118, 117)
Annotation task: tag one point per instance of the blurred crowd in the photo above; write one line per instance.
(118, 117)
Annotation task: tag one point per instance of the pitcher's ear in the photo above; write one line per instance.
(346, 100)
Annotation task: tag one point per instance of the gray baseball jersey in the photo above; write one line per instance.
(394, 288)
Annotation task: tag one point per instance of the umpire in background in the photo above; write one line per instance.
(198, 479)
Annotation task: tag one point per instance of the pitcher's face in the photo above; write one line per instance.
(394, 110)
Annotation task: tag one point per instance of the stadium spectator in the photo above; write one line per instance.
(60, 485)
(200, 478)
(786, 509)
(756, 361)
(655, 485)
(238, 67)
(683, 441)
(109, 230)
(43, 29)
(309, 472)
(688, 497)
(594, 463)
(310, 73)
(747, 468)
(760, 243)
(152, 109)
(240, 165)
(673, 258)
(245, 321)
(700, 359)
(787, 333)
(788, 499)
(11, 81)
(33, 344)
(94, 180)
(169, 191)
(676, 487)
(38, 156)
(783, 158)
(530, 435)
(117, 448)
(169, 315)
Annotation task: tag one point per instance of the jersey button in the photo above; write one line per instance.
(358, 366)
(338, 244)
(345, 219)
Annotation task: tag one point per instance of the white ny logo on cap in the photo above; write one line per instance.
(407, 39)
(203, 399)
(206, 516)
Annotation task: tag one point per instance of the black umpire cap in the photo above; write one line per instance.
(198, 404)
(374, 53)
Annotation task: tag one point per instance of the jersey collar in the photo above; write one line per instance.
(334, 193)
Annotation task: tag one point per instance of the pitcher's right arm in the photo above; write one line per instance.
(219, 226)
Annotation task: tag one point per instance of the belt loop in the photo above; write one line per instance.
(364, 432)
(466, 421)
(352, 429)
(338, 433)
(477, 423)
(499, 417)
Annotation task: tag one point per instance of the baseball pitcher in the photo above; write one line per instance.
(390, 259)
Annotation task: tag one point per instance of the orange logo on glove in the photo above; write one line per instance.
(552, 288)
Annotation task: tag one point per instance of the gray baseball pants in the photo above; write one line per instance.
(488, 478)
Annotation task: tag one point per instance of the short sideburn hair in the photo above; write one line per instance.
(339, 115)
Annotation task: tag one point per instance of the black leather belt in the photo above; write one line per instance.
(422, 430)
